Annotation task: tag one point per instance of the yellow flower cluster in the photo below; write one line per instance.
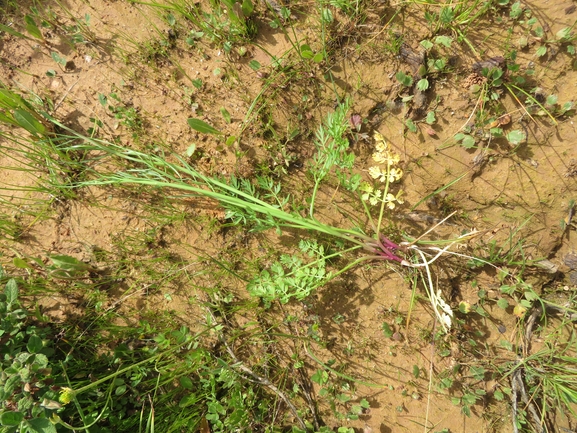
(66, 395)
(387, 174)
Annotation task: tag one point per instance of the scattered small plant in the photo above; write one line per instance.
(127, 115)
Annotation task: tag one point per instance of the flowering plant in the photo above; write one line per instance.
(261, 205)
(385, 172)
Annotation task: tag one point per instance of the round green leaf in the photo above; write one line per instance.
(318, 57)
(426, 44)
(40, 425)
(185, 382)
(503, 303)
(404, 79)
(306, 52)
(516, 137)
(468, 142)
(34, 344)
(254, 65)
(541, 51)
(11, 418)
(411, 126)
(230, 140)
(444, 40)
(423, 84)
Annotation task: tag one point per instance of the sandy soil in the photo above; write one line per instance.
(503, 190)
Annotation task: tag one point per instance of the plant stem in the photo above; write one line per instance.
(160, 173)
(385, 193)
(313, 197)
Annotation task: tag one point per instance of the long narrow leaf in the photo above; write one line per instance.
(29, 123)
(201, 126)
(32, 28)
(9, 99)
(11, 31)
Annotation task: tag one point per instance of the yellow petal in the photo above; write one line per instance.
(392, 158)
(375, 172)
(519, 311)
(366, 187)
(464, 307)
(379, 158)
(381, 146)
(395, 174)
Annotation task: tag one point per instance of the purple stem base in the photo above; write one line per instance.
(385, 248)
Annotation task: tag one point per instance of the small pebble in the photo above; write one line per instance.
(571, 260)
(573, 277)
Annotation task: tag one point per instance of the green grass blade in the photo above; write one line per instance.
(437, 191)
(13, 32)
(29, 123)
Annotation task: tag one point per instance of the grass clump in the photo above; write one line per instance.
(150, 381)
